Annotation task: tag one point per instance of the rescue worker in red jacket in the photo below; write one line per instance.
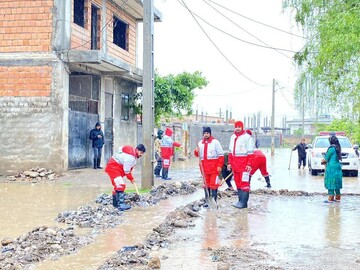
(241, 151)
(120, 165)
(259, 163)
(212, 159)
(167, 151)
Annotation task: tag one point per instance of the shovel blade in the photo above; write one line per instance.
(212, 203)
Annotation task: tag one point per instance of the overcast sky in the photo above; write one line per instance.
(240, 74)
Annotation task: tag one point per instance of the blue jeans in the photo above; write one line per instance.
(97, 152)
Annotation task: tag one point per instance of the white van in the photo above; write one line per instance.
(317, 150)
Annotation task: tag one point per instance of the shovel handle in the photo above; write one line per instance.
(136, 188)
(227, 177)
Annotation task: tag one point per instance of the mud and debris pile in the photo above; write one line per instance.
(34, 175)
(156, 194)
(139, 256)
(39, 244)
(103, 215)
(241, 258)
(98, 216)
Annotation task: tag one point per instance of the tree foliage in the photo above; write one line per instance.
(329, 61)
(352, 129)
(173, 94)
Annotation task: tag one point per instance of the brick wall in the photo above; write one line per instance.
(80, 36)
(25, 25)
(25, 81)
(114, 50)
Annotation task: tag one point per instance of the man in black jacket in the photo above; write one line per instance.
(97, 137)
(301, 147)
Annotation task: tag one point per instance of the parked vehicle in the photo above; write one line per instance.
(317, 150)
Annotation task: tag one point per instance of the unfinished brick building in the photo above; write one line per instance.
(64, 65)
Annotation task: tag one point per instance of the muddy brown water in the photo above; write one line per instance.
(298, 232)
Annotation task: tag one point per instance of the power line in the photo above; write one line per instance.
(264, 24)
(244, 29)
(218, 49)
(245, 41)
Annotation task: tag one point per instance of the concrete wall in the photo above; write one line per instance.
(125, 132)
(32, 126)
(223, 133)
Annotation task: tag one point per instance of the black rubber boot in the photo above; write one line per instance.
(206, 192)
(267, 179)
(165, 174)
(122, 206)
(243, 199)
(95, 163)
(115, 198)
(215, 194)
(98, 163)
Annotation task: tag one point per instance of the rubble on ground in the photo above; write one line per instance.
(139, 256)
(39, 244)
(98, 216)
(246, 258)
(34, 175)
(156, 194)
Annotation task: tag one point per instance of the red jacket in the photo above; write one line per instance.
(167, 144)
(122, 163)
(259, 163)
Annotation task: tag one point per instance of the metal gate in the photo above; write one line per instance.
(80, 149)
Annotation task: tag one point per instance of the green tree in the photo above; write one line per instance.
(174, 94)
(329, 62)
(351, 129)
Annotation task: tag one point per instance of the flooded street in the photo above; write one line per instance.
(279, 230)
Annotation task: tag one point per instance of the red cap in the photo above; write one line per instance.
(239, 124)
(169, 132)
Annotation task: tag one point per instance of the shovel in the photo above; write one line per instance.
(137, 196)
(226, 178)
(209, 200)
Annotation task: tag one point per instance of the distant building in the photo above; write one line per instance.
(309, 123)
(200, 118)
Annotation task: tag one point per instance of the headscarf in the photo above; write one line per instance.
(335, 143)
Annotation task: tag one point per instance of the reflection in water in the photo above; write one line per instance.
(241, 229)
(333, 225)
(210, 229)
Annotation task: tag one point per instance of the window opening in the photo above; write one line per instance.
(125, 107)
(94, 27)
(120, 34)
(79, 12)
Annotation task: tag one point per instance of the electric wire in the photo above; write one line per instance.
(244, 29)
(264, 24)
(245, 41)
(218, 49)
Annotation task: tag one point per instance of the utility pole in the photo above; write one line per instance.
(147, 174)
(273, 121)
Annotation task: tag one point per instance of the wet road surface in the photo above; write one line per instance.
(298, 232)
